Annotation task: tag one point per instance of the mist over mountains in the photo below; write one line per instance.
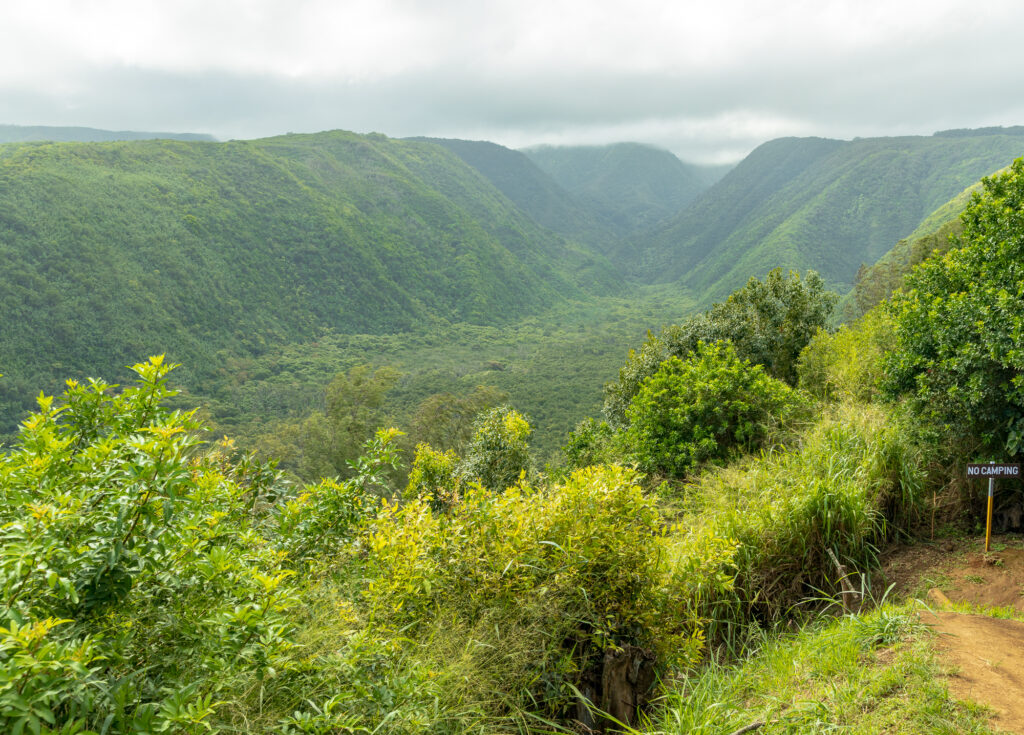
(28, 133)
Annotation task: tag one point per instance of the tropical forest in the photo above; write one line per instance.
(349, 434)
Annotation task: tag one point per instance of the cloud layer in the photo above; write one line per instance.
(707, 83)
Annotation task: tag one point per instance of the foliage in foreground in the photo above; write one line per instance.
(959, 324)
(143, 580)
(853, 477)
(711, 406)
(848, 364)
(151, 585)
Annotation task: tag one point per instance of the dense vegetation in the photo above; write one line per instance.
(827, 205)
(634, 186)
(959, 324)
(212, 251)
(751, 462)
(537, 193)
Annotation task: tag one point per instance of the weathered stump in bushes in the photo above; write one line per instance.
(626, 680)
(619, 688)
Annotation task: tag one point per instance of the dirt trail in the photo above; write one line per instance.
(984, 655)
(986, 658)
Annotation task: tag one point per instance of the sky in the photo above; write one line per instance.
(707, 80)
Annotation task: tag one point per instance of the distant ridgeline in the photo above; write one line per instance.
(28, 133)
(635, 186)
(815, 203)
(596, 194)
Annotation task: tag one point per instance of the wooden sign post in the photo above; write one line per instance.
(991, 470)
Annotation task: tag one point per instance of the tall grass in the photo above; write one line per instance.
(849, 484)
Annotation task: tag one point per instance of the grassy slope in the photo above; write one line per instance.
(812, 203)
(879, 280)
(113, 251)
(875, 672)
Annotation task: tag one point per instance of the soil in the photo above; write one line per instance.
(984, 655)
(961, 569)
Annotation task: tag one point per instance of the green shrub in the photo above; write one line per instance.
(959, 323)
(434, 477)
(590, 444)
(768, 322)
(499, 452)
(709, 406)
(549, 579)
(146, 583)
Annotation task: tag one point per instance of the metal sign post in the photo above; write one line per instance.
(991, 470)
(988, 516)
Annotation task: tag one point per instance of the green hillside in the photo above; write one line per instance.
(535, 192)
(28, 133)
(877, 281)
(204, 250)
(822, 204)
(635, 185)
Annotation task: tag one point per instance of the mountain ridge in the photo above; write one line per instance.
(833, 206)
(74, 134)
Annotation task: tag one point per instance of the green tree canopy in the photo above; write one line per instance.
(708, 406)
(959, 324)
(768, 322)
(499, 451)
(354, 409)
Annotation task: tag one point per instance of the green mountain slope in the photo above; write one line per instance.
(878, 281)
(113, 251)
(29, 133)
(533, 190)
(814, 203)
(636, 186)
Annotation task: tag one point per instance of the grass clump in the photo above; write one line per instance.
(839, 489)
(870, 673)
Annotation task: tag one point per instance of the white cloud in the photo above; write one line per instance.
(704, 79)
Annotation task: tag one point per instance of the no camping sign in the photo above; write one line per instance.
(991, 470)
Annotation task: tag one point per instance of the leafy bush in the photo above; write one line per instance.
(768, 323)
(590, 444)
(146, 583)
(548, 579)
(499, 452)
(710, 406)
(959, 324)
(434, 476)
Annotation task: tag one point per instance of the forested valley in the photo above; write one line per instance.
(436, 436)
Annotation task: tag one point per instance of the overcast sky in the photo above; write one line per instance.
(708, 80)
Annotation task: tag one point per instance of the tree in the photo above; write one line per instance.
(709, 406)
(959, 324)
(332, 439)
(768, 322)
(499, 451)
(445, 421)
